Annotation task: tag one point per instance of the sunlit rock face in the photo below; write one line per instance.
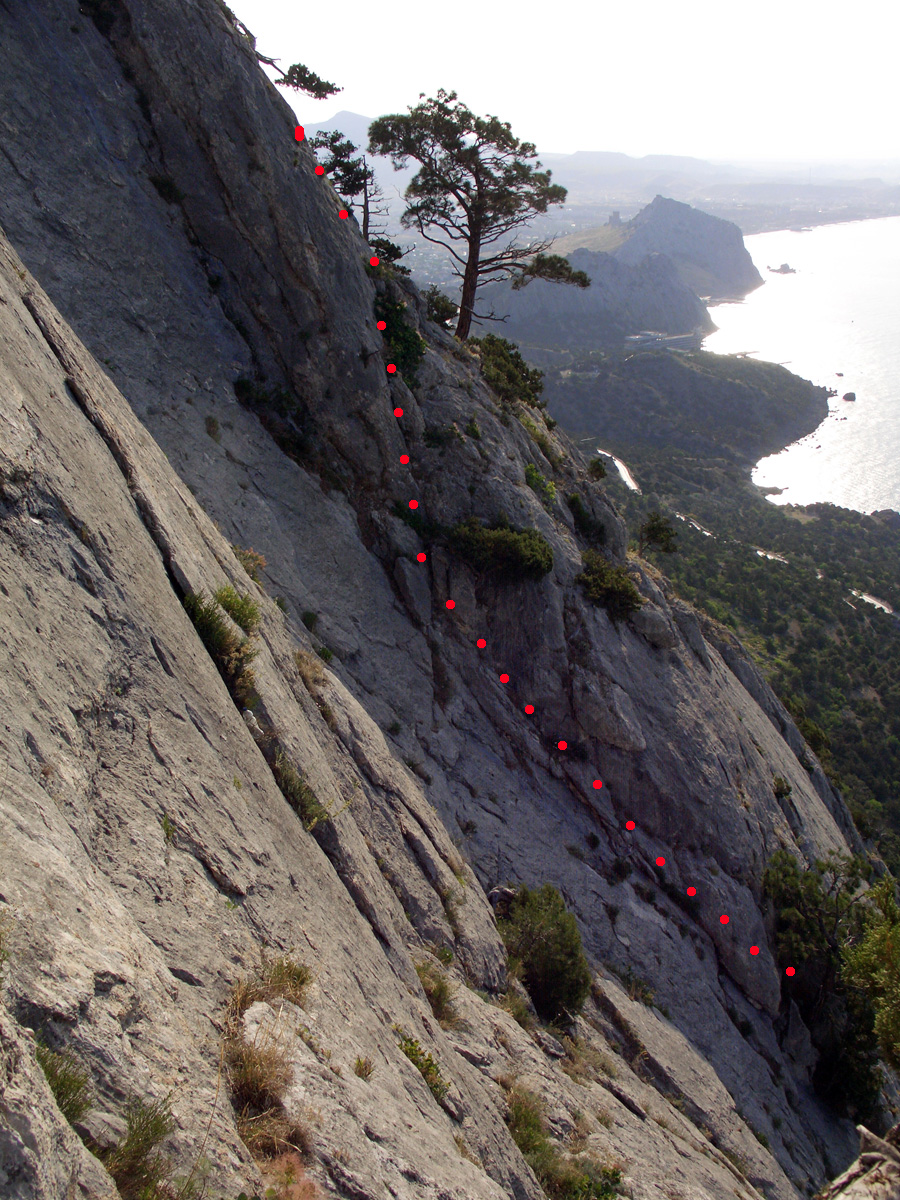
(147, 856)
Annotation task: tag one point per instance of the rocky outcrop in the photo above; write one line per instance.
(174, 240)
(709, 253)
(876, 1173)
(623, 298)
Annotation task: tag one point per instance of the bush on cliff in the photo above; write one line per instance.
(610, 586)
(819, 913)
(506, 372)
(544, 947)
(503, 552)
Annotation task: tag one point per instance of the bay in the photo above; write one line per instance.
(835, 321)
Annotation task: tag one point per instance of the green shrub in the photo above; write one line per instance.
(309, 619)
(438, 437)
(589, 527)
(597, 468)
(873, 964)
(139, 1170)
(501, 551)
(781, 788)
(544, 944)
(472, 429)
(69, 1079)
(240, 606)
(425, 1063)
(232, 655)
(506, 372)
(404, 346)
(819, 915)
(439, 308)
(608, 585)
(544, 488)
(324, 653)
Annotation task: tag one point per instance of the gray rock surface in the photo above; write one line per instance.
(709, 253)
(145, 850)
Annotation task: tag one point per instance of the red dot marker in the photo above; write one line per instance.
(398, 412)
(660, 862)
(504, 679)
(343, 214)
(299, 133)
(754, 949)
(404, 458)
(421, 556)
(320, 170)
(451, 604)
(562, 745)
(529, 708)
(381, 325)
(790, 971)
(413, 504)
(391, 369)
(723, 919)
(373, 261)
(692, 891)
(598, 783)
(629, 824)
(481, 643)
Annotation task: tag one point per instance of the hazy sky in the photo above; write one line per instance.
(759, 79)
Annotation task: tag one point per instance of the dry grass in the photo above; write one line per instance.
(440, 993)
(584, 1062)
(364, 1067)
(272, 1133)
(309, 668)
(278, 978)
(287, 1178)
(260, 1071)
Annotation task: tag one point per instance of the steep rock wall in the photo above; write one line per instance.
(252, 273)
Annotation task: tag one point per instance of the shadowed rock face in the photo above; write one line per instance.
(133, 309)
(624, 298)
(709, 253)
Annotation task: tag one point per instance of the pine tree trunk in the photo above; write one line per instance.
(365, 223)
(469, 287)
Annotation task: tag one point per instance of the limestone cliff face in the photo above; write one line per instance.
(173, 238)
(709, 252)
(623, 298)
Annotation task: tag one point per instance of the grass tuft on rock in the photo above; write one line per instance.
(240, 606)
(231, 654)
(139, 1169)
(69, 1080)
(440, 993)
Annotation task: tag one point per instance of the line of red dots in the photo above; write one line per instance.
(481, 643)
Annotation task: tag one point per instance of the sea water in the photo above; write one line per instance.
(836, 321)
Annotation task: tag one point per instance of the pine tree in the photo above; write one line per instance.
(477, 183)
